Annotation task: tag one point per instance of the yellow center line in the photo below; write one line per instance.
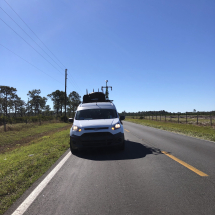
(126, 130)
(185, 164)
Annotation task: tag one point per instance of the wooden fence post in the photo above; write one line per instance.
(186, 117)
(165, 118)
(178, 118)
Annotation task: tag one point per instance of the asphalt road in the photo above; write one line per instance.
(159, 172)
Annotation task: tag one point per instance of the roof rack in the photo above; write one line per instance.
(95, 97)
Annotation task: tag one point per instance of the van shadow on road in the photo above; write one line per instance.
(133, 150)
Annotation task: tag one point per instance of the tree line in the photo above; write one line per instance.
(11, 105)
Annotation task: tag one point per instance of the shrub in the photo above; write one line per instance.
(34, 118)
(64, 118)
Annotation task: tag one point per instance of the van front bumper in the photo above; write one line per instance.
(97, 139)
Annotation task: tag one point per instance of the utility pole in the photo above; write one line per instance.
(106, 93)
(65, 93)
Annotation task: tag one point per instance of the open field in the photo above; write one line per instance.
(203, 132)
(20, 166)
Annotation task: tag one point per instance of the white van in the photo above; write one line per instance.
(96, 124)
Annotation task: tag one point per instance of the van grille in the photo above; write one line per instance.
(97, 139)
(96, 129)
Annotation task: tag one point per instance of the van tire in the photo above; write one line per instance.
(73, 151)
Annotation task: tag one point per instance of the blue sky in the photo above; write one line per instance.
(156, 54)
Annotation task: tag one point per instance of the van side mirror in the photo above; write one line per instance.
(122, 117)
(71, 120)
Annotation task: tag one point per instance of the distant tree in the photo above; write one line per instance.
(47, 110)
(1, 109)
(124, 113)
(58, 98)
(7, 94)
(22, 110)
(194, 110)
(36, 101)
(18, 105)
(43, 103)
(28, 108)
(10, 105)
(73, 102)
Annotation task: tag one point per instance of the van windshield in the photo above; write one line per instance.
(91, 114)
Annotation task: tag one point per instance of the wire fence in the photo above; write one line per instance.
(198, 119)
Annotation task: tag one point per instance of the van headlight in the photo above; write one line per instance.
(76, 128)
(116, 126)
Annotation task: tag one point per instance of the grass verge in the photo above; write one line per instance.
(206, 132)
(15, 138)
(20, 168)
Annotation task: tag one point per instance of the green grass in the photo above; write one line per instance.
(20, 168)
(21, 135)
(203, 132)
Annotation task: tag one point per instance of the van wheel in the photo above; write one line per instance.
(73, 151)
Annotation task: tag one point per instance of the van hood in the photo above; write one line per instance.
(96, 122)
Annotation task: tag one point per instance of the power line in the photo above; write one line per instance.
(36, 51)
(76, 86)
(30, 37)
(30, 63)
(33, 32)
(73, 89)
(74, 83)
(30, 45)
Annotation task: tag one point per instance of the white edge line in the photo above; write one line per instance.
(28, 201)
